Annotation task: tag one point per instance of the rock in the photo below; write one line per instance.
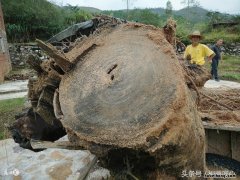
(18, 54)
(21, 64)
(27, 104)
(222, 85)
(19, 163)
(231, 49)
(98, 173)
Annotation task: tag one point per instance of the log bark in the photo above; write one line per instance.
(35, 63)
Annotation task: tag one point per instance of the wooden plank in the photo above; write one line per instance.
(84, 172)
(226, 127)
(219, 142)
(58, 57)
(235, 145)
(37, 144)
(206, 139)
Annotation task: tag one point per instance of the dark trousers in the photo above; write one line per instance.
(214, 70)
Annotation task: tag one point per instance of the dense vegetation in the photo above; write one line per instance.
(187, 21)
(28, 19)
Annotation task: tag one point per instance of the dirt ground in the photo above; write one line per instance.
(19, 74)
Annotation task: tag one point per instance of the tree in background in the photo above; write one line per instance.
(169, 7)
(190, 3)
(145, 16)
(28, 19)
(148, 17)
(74, 14)
(128, 2)
(215, 16)
(236, 18)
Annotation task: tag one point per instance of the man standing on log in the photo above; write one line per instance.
(196, 52)
(216, 58)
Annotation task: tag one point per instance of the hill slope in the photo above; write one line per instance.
(193, 14)
(90, 9)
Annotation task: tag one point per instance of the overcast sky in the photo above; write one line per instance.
(226, 6)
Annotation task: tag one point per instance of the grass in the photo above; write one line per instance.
(228, 68)
(228, 37)
(8, 109)
(228, 34)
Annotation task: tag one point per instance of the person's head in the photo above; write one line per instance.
(219, 42)
(195, 37)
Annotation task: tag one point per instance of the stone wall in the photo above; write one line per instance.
(19, 53)
(232, 49)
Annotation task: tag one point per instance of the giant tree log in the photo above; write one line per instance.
(126, 100)
(128, 96)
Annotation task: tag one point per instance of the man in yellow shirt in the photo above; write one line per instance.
(196, 52)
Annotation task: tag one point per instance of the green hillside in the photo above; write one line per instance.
(90, 9)
(193, 14)
(26, 20)
(82, 8)
(30, 19)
